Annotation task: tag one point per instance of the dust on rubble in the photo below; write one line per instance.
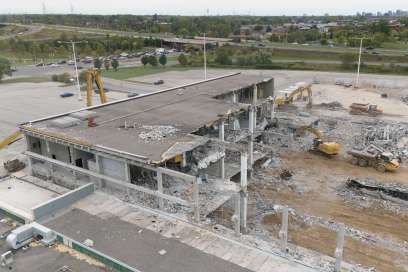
(324, 240)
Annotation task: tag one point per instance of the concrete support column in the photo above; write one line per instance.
(127, 172)
(30, 165)
(184, 160)
(101, 183)
(235, 124)
(237, 214)
(255, 95)
(283, 233)
(251, 116)
(243, 192)
(160, 188)
(234, 97)
(48, 151)
(272, 109)
(196, 194)
(221, 130)
(338, 254)
(71, 154)
(222, 168)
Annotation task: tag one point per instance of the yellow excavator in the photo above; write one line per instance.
(93, 75)
(297, 90)
(10, 139)
(327, 148)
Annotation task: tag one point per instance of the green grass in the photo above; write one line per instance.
(26, 79)
(129, 72)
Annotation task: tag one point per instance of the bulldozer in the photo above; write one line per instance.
(376, 157)
(292, 94)
(319, 145)
(369, 109)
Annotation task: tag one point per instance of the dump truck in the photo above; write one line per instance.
(376, 157)
(369, 109)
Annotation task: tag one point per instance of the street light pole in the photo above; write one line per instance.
(76, 66)
(205, 59)
(359, 63)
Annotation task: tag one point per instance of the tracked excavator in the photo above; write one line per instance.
(93, 75)
(319, 145)
(292, 94)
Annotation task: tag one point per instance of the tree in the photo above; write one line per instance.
(106, 64)
(182, 59)
(115, 65)
(347, 60)
(5, 67)
(144, 60)
(163, 59)
(97, 63)
(153, 61)
(222, 57)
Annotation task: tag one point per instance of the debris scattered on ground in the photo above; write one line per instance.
(162, 252)
(285, 174)
(14, 165)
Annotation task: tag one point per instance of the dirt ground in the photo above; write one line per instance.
(314, 189)
(321, 177)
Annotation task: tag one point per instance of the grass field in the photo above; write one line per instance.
(129, 72)
(38, 79)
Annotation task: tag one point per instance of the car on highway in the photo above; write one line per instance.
(39, 64)
(70, 62)
(66, 94)
(370, 48)
(62, 62)
(54, 65)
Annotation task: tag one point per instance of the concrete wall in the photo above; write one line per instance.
(50, 207)
(59, 152)
(113, 168)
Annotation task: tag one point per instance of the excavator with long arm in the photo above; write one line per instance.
(327, 148)
(93, 75)
(294, 92)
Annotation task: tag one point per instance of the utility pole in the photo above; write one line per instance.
(205, 54)
(75, 64)
(205, 59)
(359, 63)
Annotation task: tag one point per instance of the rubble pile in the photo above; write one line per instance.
(391, 137)
(156, 133)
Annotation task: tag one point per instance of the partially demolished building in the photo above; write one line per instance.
(183, 150)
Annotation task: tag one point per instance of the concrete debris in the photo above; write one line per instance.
(162, 252)
(89, 243)
(156, 133)
(285, 174)
(14, 165)
(389, 191)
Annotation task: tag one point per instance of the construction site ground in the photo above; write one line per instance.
(317, 187)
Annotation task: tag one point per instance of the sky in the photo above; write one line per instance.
(200, 7)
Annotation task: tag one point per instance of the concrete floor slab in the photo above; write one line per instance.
(21, 196)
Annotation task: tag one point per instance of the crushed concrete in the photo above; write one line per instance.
(156, 133)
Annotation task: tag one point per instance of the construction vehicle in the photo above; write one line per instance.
(370, 109)
(326, 148)
(376, 157)
(93, 75)
(294, 92)
(10, 139)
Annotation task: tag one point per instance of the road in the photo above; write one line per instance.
(31, 29)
